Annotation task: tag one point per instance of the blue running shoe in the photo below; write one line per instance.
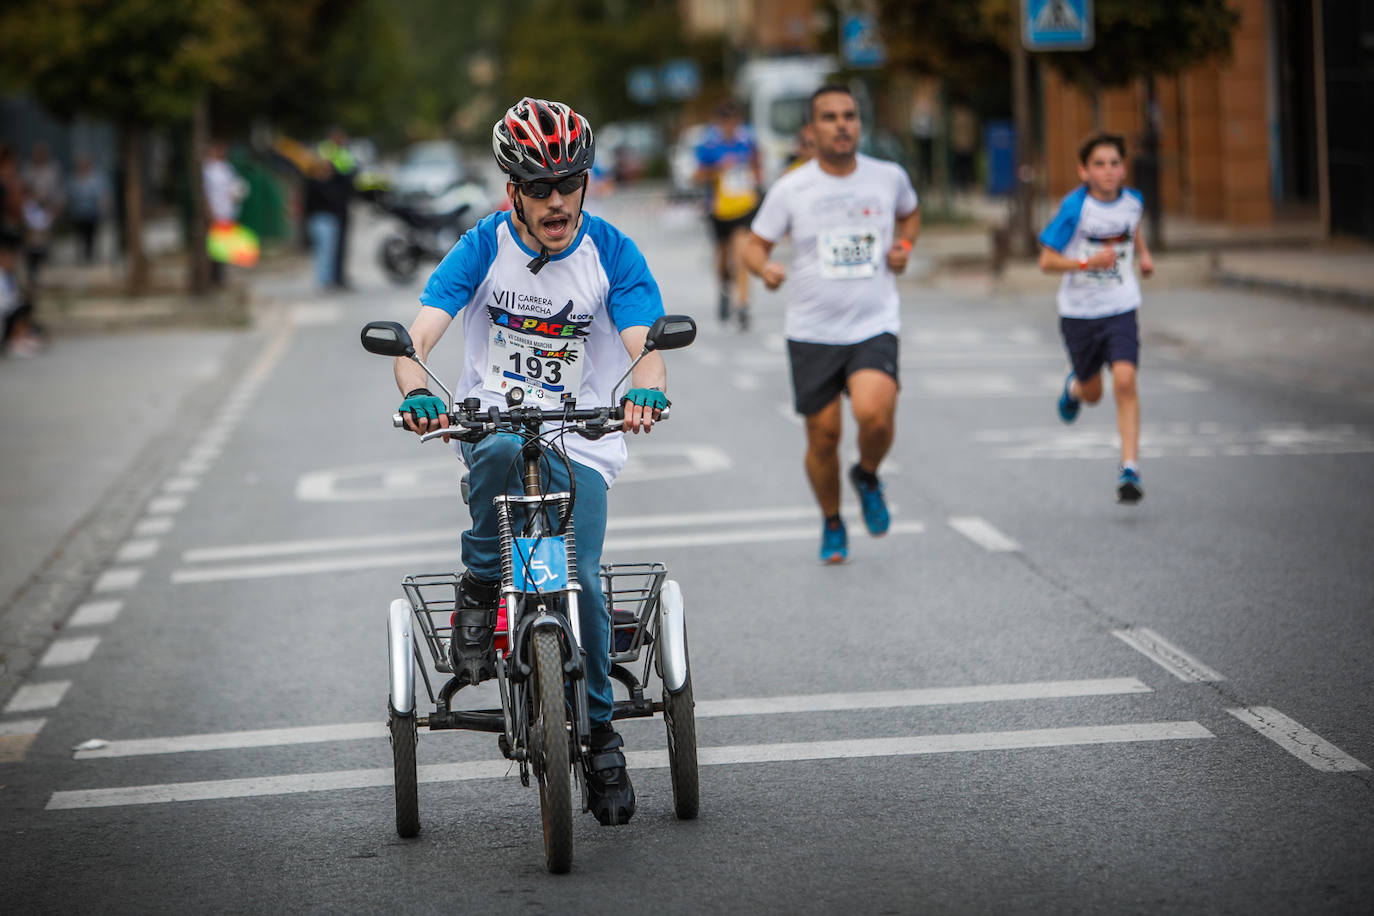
(1128, 487)
(876, 517)
(834, 543)
(1068, 407)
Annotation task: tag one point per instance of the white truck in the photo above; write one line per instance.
(776, 93)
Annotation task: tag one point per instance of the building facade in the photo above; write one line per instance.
(1280, 132)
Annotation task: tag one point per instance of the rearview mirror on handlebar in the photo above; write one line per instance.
(671, 332)
(388, 338)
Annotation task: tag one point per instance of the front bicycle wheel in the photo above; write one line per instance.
(403, 740)
(552, 744)
(680, 718)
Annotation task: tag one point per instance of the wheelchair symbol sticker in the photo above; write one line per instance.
(540, 564)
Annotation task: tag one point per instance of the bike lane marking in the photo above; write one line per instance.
(1304, 744)
(912, 745)
(705, 709)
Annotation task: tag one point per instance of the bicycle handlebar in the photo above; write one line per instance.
(473, 423)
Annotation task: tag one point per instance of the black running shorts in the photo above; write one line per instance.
(820, 372)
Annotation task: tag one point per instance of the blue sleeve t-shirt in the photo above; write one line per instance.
(1084, 226)
(556, 333)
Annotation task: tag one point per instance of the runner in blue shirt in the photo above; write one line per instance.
(1092, 241)
(566, 299)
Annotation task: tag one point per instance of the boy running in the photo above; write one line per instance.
(1091, 240)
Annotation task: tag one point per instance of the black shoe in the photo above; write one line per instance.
(742, 315)
(471, 652)
(724, 307)
(610, 794)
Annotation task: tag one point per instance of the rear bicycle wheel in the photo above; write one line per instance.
(680, 718)
(552, 744)
(403, 741)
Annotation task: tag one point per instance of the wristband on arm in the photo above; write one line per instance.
(906, 244)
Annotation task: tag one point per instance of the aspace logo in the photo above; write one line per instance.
(560, 325)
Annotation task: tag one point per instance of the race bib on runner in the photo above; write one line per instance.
(549, 369)
(1111, 276)
(847, 254)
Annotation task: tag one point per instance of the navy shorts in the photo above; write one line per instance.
(821, 371)
(1094, 341)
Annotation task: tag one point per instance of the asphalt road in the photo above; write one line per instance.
(1026, 698)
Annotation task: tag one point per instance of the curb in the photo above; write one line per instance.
(1343, 295)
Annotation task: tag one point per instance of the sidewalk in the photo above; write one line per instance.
(1283, 257)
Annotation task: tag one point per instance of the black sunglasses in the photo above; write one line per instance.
(541, 190)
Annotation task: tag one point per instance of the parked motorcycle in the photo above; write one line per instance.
(429, 226)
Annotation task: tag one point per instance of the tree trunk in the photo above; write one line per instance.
(1022, 231)
(199, 280)
(136, 261)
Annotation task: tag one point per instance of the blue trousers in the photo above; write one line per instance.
(495, 468)
(324, 244)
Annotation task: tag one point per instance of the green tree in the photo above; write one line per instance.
(137, 63)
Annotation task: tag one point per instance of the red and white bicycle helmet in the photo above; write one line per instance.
(538, 139)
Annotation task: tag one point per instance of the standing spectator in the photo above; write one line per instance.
(224, 191)
(322, 221)
(88, 196)
(19, 336)
(11, 194)
(42, 180)
(335, 151)
(963, 142)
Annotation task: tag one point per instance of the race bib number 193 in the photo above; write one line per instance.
(549, 369)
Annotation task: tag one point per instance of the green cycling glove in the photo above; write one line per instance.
(647, 397)
(422, 403)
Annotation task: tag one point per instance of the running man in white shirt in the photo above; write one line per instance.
(1092, 240)
(853, 220)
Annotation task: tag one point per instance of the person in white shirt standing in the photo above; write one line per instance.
(1091, 241)
(853, 220)
(224, 191)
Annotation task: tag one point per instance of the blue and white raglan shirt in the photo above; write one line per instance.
(1083, 226)
(556, 333)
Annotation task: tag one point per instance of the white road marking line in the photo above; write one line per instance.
(637, 760)
(1307, 746)
(22, 727)
(95, 613)
(71, 650)
(180, 485)
(136, 550)
(705, 709)
(745, 382)
(149, 526)
(1178, 440)
(1168, 656)
(193, 468)
(164, 505)
(982, 533)
(33, 697)
(788, 412)
(451, 535)
(447, 557)
(116, 580)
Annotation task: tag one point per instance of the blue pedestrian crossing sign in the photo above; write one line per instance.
(1057, 25)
